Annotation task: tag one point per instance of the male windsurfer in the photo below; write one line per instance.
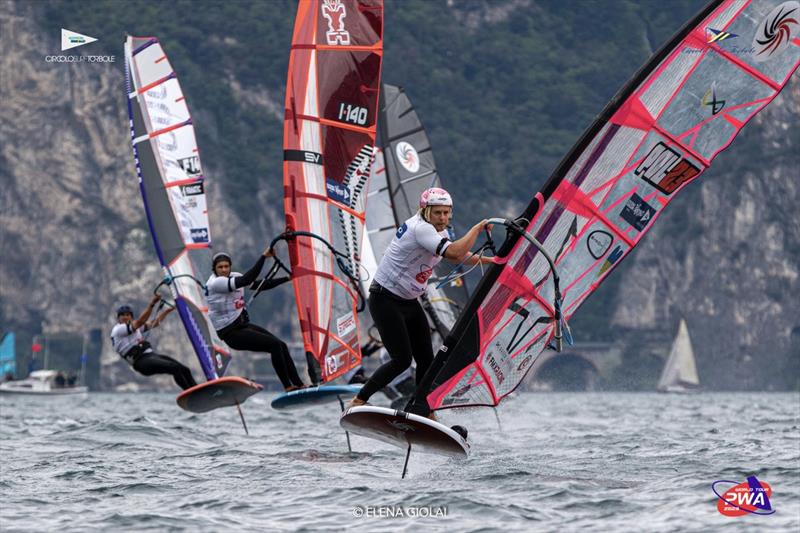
(417, 247)
(129, 342)
(226, 309)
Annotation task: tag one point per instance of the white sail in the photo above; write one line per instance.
(680, 371)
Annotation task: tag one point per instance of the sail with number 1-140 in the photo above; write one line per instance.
(332, 95)
(661, 131)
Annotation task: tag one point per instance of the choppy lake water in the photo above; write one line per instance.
(558, 462)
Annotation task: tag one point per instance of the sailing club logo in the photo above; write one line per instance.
(71, 39)
(335, 13)
(199, 235)
(408, 156)
(637, 212)
(775, 33)
(337, 192)
(665, 169)
(739, 499)
(710, 100)
(190, 165)
(195, 189)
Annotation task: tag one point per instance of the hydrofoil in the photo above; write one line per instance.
(406, 430)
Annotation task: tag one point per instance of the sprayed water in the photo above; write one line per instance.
(560, 462)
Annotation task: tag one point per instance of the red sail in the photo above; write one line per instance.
(329, 142)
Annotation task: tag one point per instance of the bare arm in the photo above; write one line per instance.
(139, 322)
(159, 318)
(474, 259)
(457, 251)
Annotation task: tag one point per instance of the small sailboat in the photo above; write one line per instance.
(680, 371)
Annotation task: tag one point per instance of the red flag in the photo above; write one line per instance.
(36, 347)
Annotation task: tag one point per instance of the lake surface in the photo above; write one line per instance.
(556, 461)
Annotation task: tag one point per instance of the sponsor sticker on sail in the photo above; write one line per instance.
(345, 324)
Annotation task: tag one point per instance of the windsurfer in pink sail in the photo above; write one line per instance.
(402, 276)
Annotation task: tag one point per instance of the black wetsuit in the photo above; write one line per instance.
(152, 363)
(244, 335)
(405, 333)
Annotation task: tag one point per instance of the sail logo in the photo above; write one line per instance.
(637, 212)
(331, 364)
(748, 497)
(303, 156)
(612, 258)
(335, 13)
(775, 33)
(199, 235)
(525, 362)
(345, 324)
(195, 189)
(461, 391)
(710, 100)
(190, 165)
(498, 372)
(337, 192)
(718, 35)
(408, 156)
(71, 39)
(598, 242)
(665, 169)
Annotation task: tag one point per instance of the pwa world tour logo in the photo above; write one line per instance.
(739, 499)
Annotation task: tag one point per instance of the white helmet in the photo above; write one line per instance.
(435, 196)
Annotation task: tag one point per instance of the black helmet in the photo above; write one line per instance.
(123, 309)
(221, 256)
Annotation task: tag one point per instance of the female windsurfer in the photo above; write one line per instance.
(129, 342)
(226, 309)
(417, 247)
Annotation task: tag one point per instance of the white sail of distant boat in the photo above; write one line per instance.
(680, 372)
